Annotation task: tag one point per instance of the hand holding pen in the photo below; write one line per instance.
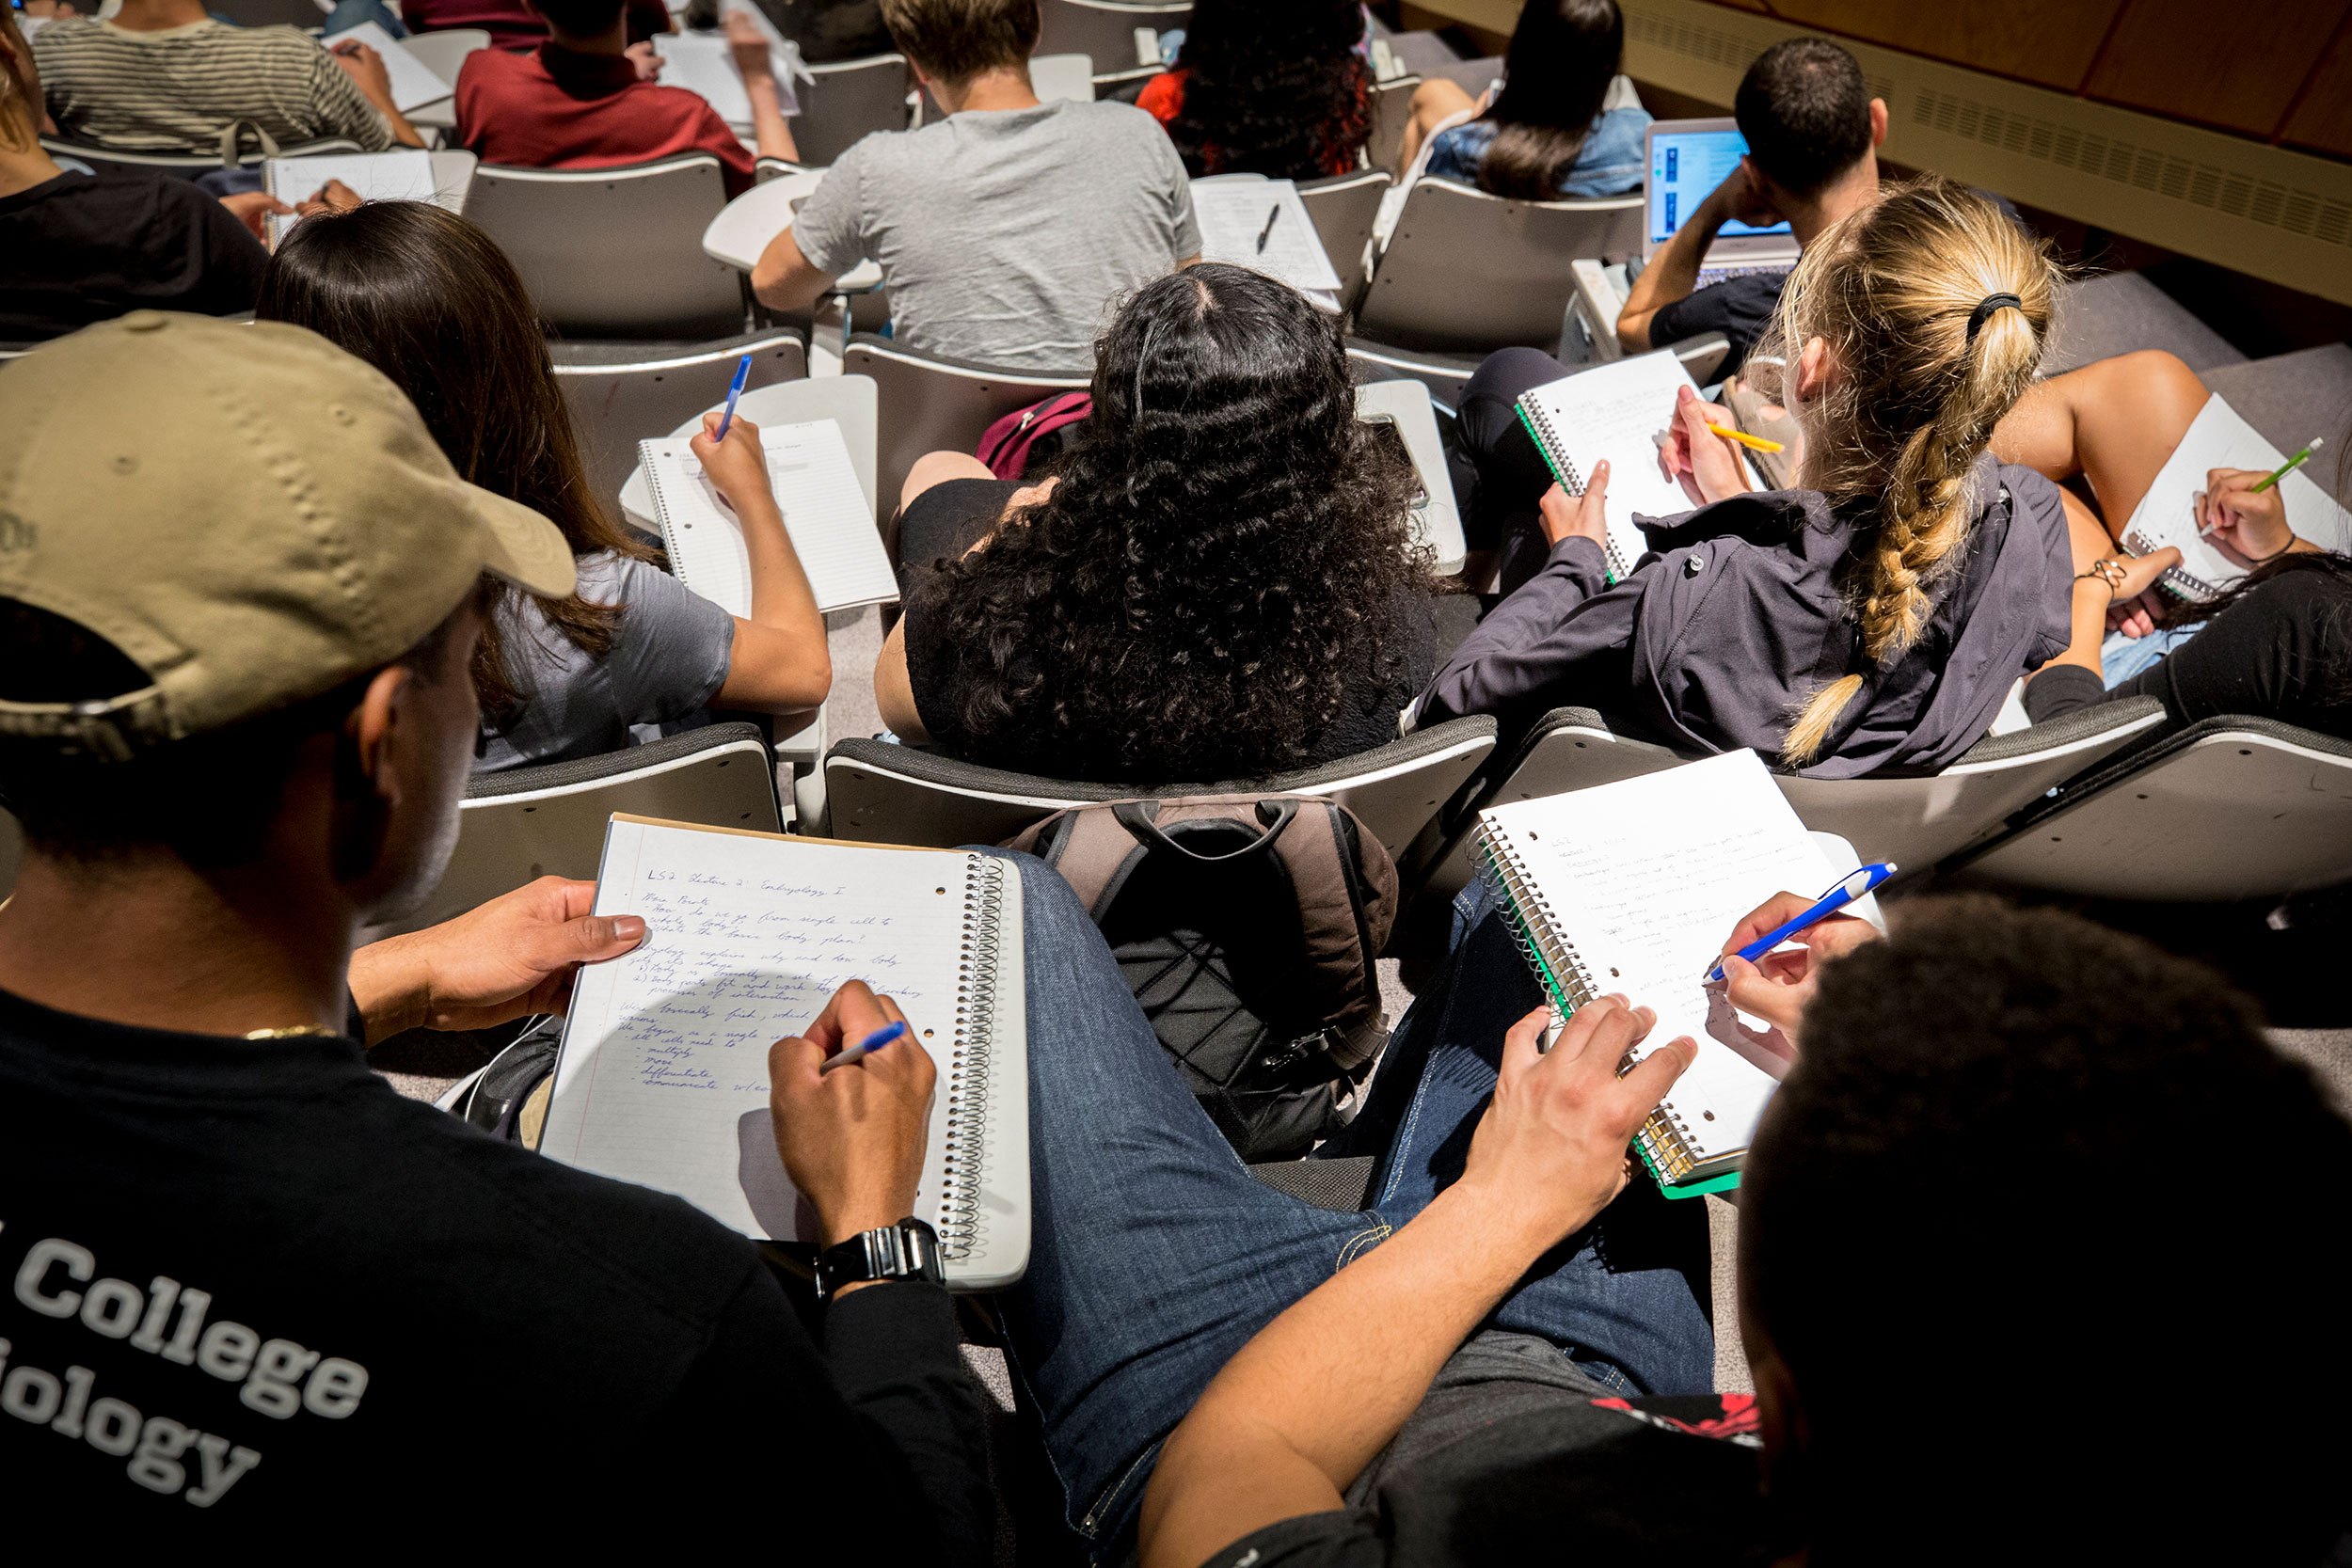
(1776, 986)
(852, 1140)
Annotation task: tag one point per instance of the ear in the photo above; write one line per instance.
(1877, 122)
(1816, 368)
(374, 729)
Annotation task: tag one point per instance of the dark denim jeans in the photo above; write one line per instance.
(1155, 1255)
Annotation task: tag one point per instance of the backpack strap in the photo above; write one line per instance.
(1092, 849)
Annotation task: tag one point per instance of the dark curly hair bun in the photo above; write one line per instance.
(1225, 549)
(1276, 89)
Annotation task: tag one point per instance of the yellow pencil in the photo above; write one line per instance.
(1753, 443)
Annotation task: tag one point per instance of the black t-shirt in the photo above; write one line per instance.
(256, 1290)
(1510, 1459)
(1738, 307)
(89, 247)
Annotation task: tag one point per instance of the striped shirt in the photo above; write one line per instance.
(180, 89)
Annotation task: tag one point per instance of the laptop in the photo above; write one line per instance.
(1687, 160)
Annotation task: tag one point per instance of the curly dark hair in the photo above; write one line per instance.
(1223, 551)
(2023, 1158)
(1273, 90)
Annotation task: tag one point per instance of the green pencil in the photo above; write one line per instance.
(2288, 467)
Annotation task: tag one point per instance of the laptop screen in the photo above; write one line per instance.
(1685, 166)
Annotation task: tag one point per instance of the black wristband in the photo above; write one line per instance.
(907, 1250)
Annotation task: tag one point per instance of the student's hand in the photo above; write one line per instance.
(254, 209)
(2135, 606)
(513, 956)
(749, 46)
(366, 67)
(1550, 1149)
(2249, 525)
(737, 467)
(1579, 517)
(333, 196)
(1703, 462)
(1776, 987)
(1741, 199)
(852, 1139)
(648, 64)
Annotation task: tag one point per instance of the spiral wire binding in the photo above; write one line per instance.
(1665, 1139)
(1572, 479)
(959, 1219)
(661, 513)
(2183, 581)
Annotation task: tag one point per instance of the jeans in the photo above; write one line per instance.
(348, 14)
(1156, 1256)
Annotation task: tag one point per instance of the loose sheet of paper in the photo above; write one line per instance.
(1645, 878)
(405, 176)
(1620, 412)
(663, 1077)
(702, 63)
(1234, 213)
(414, 83)
(2219, 437)
(824, 513)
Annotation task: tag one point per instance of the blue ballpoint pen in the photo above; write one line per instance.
(872, 1042)
(742, 373)
(1855, 884)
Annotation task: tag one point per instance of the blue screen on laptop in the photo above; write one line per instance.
(1685, 166)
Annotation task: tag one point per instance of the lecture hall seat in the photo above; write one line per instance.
(1467, 272)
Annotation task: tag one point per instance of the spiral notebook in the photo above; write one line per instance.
(663, 1076)
(2219, 437)
(1618, 412)
(1632, 887)
(826, 514)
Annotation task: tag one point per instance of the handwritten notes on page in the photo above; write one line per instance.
(663, 1077)
(825, 515)
(1644, 880)
(1619, 413)
(2219, 437)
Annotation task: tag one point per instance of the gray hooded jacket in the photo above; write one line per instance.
(1733, 618)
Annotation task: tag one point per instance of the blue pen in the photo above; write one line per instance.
(859, 1052)
(742, 373)
(1853, 885)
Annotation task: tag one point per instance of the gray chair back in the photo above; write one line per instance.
(1472, 272)
(533, 822)
(622, 393)
(849, 101)
(936, 405)
(615, 252)
(897, 795)
(2230, 807)
(189, 166)
(1444, 375)
(1392, 111)
(1105, 30)
(1342, 207)
(1914, 822)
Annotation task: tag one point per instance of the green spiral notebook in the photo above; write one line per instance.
(1634, 887)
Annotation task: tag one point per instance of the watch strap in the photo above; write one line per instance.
(907, 1250)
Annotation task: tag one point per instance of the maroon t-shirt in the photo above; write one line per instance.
(552, 108)
(513, 25)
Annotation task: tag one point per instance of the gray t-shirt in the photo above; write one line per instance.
(669, 658)
(1008, 236)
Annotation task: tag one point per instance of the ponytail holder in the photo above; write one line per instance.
(1983, 312)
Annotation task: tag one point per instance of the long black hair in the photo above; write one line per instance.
(1563, 54)
(1274, 87)
(1223, 552)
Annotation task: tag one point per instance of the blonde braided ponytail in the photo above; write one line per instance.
(1932, 307)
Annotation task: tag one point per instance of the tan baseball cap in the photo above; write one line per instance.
(249, 514)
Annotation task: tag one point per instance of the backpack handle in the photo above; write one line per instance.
(1137, 817)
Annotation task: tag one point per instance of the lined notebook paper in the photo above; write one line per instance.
(824, 509)
(2219, 437)
(1618, 412)
(402, 176)
(1232, 212)
(663, 1075)
(414, 83)
(1632, 887)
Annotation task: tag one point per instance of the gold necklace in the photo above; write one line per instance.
(289, 1032)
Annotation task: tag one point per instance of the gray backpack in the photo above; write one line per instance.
(1247, 926)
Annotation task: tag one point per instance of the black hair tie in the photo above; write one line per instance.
(1983, 312)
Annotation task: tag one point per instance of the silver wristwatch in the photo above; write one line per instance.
(907, 1250)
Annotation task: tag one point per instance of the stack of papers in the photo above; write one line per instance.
(1251, 221)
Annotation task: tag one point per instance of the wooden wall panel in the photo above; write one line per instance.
(2050, 42)
(2235, 67)
(2322, 122)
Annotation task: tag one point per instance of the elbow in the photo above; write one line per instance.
(1633, 332)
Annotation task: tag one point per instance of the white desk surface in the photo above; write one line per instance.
(1438, 523)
